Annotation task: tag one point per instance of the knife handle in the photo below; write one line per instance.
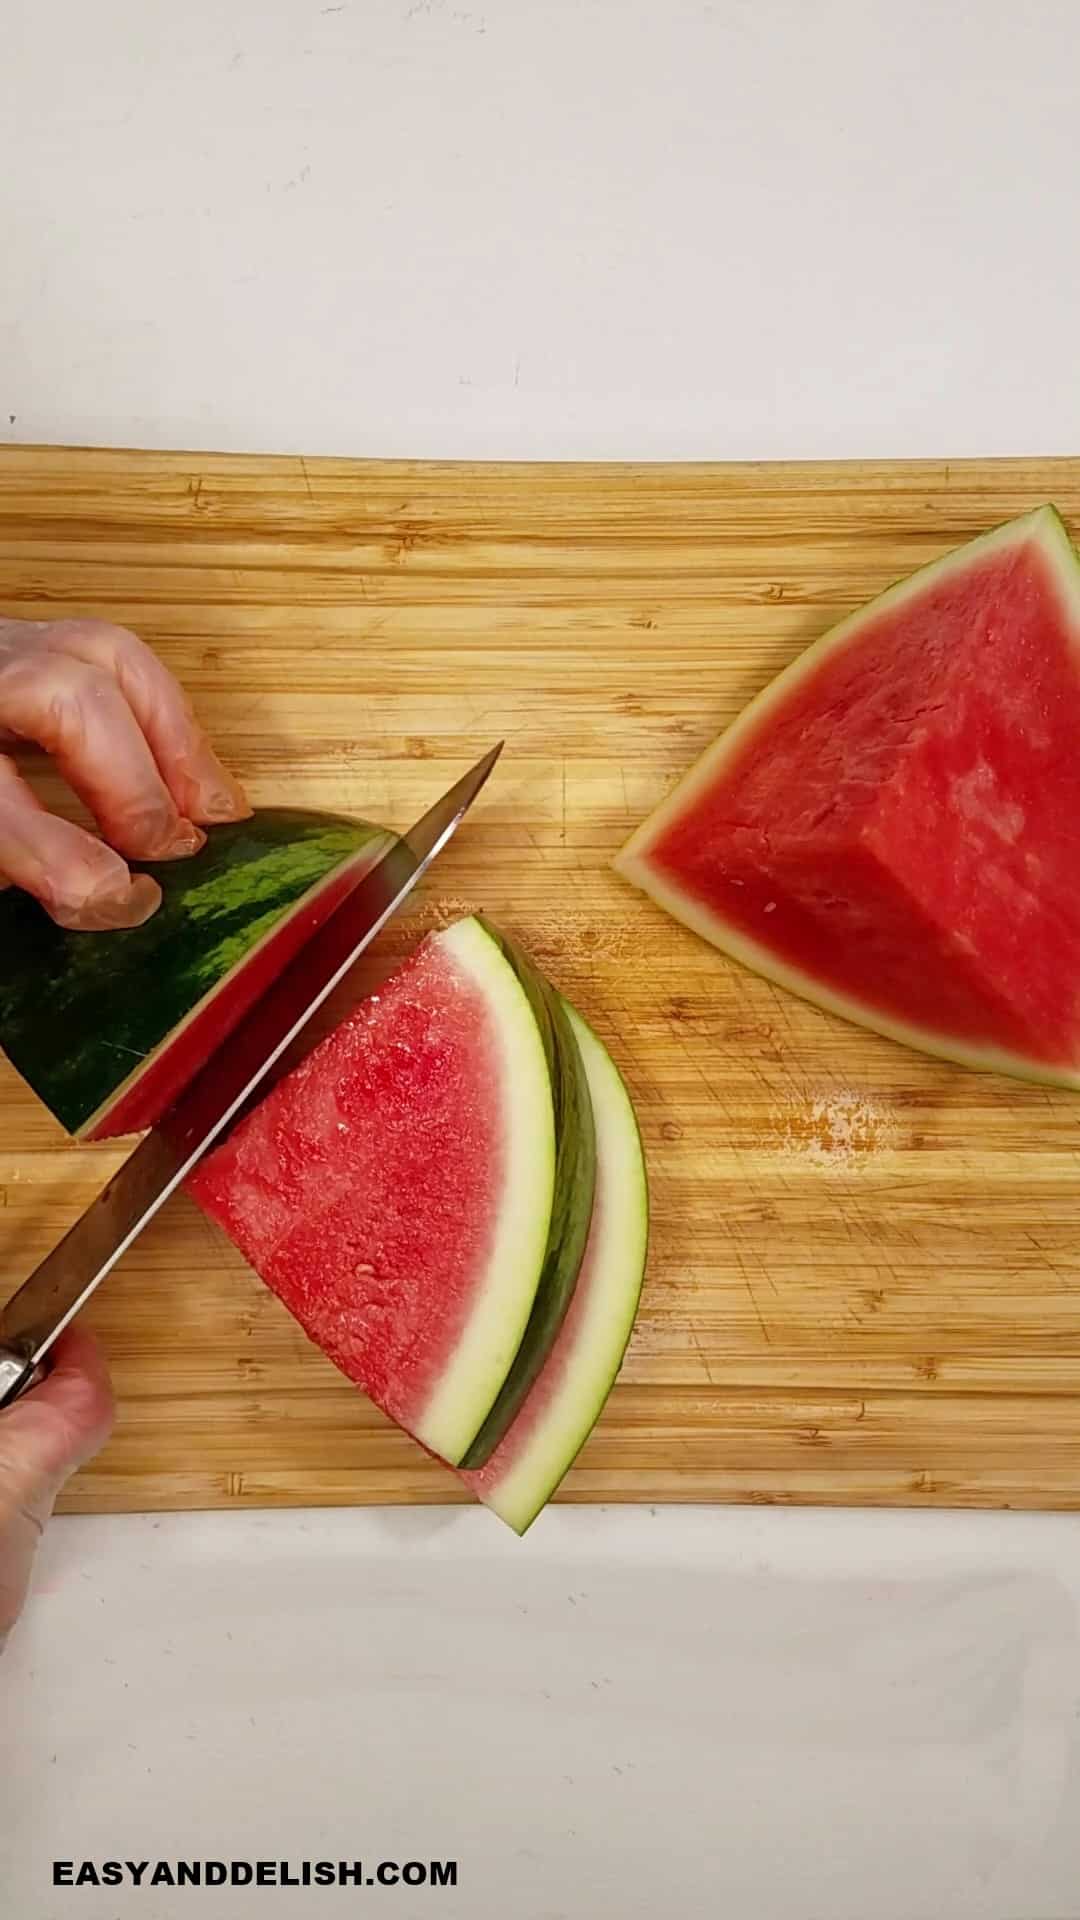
(17, 1376)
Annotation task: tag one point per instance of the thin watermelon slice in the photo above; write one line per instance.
(107, 1028)
(892, 828)
(410, 1190)
(566, 1401)
(572, 1203)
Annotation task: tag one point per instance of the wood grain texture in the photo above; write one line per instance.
(862, 1285)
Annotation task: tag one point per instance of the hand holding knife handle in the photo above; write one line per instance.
(14, 1371)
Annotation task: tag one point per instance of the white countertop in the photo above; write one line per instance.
(559, 228)
(629, 1714)
(569, 228)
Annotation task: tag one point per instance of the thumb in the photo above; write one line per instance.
(44, 1438)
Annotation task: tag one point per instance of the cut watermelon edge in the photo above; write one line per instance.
(760, 960)
(341, 879)
(1045, 525)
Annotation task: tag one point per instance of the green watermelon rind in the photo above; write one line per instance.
(1044, 525)
(504, 1295)
(540, 1448)
(77, 1009)
(572, 1199)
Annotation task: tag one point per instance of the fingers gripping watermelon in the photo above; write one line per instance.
(108, 1027)
(892, 828)
(418, 1191)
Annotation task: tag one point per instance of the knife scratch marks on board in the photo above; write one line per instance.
(749, 1285)
(695, 1063)
(696, 1339)
(207, 1232)
(620, 1042)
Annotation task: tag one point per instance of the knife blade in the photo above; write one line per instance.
(54, 1293)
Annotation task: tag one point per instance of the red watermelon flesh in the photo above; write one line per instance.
(892, 828)
(395, 1190)
(164, 1079)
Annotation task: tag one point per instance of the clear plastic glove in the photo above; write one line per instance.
(44, 1438)
(124, 737)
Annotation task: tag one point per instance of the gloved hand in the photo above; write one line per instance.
(44, 1437)
(123, 735)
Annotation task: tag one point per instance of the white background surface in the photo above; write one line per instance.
(690, 228)
(568, 227)
(771, 1716)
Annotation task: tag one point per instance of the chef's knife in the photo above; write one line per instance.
(66, 1278)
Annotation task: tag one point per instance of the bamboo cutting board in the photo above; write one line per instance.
(863, 1277)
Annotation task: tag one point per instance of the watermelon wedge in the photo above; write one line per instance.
(108, 1027)
(418, 1190)
(892, 828)
(559, 1413)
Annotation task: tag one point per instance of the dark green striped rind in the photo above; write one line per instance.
(571, 1213)
(80, 1011)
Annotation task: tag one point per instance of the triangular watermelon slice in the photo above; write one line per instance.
(418, 1191)
(107, 1028)
(892, 828)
